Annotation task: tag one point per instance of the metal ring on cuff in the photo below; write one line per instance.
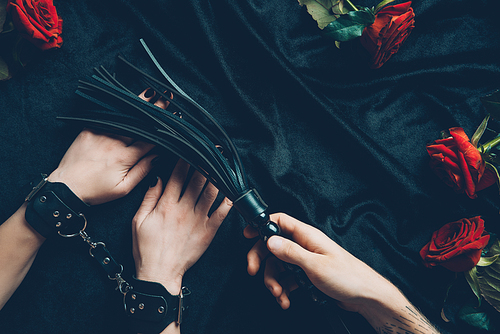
(75, 234)
(94, 245)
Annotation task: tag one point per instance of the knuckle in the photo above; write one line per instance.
(135, 220)
(122, 191)
(288, 250)
(211, 193)
(198, 181)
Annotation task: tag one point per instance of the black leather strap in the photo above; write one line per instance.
(54, 209)
(106, 260)
(151, 308)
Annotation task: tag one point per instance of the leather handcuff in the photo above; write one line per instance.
(53, 209)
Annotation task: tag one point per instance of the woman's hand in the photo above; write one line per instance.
(100, 167)
(171, 232)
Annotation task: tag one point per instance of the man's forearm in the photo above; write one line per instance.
(19, 244)
(394, 314)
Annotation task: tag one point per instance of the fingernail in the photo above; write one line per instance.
(149, 93)
(274, 243)
(154, 182)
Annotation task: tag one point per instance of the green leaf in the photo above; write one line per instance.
(381, 5)
(479, 131)
(324, 11)
(475, 317)
(486, 147)
(489, 278)
(3, 13)
(491, 167)
(471, 277)
(350, 25)
(487, 261)
(4, 70)
(491, 103)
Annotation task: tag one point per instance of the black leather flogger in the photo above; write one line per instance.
(184, 128)
(151, 308)
(53, 209)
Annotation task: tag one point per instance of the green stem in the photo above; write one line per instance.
(352, 5)
(485, 148)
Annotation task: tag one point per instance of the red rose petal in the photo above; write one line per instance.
(456, 246)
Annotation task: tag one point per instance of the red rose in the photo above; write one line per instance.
(459, 164)
(456, 246)
(383, 37)
(37, 21)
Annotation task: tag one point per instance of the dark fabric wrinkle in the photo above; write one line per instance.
(322, 138)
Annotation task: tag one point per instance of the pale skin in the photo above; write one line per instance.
(336, 273)
(170, 232)
(98, 168)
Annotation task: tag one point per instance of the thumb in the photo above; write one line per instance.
(148, 203)
(288, 251)
(137, 173)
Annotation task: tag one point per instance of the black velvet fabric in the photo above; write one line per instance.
(323, 138)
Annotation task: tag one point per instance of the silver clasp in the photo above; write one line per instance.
(37, 188)
(184, 292)
(123, 285)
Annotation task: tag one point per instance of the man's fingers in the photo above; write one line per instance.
(284, 299)
(249, 232)
(303, 234)
(255, 256)
(288, 251)
(271, 276)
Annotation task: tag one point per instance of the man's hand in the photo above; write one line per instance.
(330, 268)
(337, 273)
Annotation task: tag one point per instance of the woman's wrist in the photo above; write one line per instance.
(173, 283)
(24, 230)
(58, 176)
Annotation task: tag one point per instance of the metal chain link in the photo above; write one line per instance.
(123, 285)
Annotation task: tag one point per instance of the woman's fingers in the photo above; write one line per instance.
(206, 199)
(194, 188)
(135, 175)
(148, 203)
(174, 186)
(220, 214)
(151, 96)
(139, 149)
